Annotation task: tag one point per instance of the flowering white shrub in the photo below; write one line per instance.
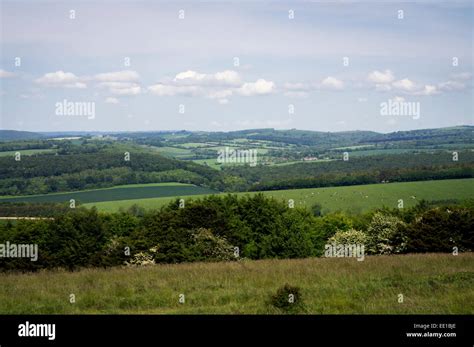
(143, 258)
(210, 247)
(385, 235)
(350, 236)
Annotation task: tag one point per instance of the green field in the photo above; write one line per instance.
(194, 145)
(353, 198)
(134, 191)
(173, 152)
(212, 163)
(368, 152)
(429, 283)
(27, 152)
(299, 162)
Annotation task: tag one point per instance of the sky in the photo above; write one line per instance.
(227, 65)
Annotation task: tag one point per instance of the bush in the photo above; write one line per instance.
(209, 247)
(441, 229)
(325, 227)
(143, 258)
(316, 209)
(385, 235)
(349, 237)
(287, 298)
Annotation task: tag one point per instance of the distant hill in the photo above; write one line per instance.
(14, 135)
(320, 139)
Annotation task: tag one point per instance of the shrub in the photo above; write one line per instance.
(441, 229)
(316, 209)
(385, 235)
(349, 237)
(287, 298)
(209, 247)
(325, 227)
(143, 258)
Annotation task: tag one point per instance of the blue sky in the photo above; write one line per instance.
(190, 61)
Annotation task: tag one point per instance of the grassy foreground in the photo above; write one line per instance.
(430, 283)
(355, 199)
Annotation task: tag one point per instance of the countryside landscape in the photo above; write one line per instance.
(223, 158)
(164, 198)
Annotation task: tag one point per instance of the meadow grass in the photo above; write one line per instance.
(429, 283)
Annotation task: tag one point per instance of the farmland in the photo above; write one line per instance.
(135, 191)
(27, 152)
(429, 283)
(354, 198)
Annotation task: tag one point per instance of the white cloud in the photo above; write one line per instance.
(134, 90)
(61, 79)
(379, 77)
(429, 90)
(451, 86)
(223, 101)
(218, 86)
(219, 94)
(462, 76)
(384, 81)
(361, 99)
(117, 76)
(171, 90)
(405, 85)
(6, 74)
(303, 89)
(259, 87)
(189, 75)
(117, 85)
(383, 87)
(332, 83)
(112, 100)
(121, 88)
(227, 77)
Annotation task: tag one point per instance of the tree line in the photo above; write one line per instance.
(224, 228)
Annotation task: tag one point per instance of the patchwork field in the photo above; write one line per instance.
(27, 152)
(133, 191)
(429, 283)
(353, 198)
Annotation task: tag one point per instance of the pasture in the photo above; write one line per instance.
(429, 283)
(353, 199)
